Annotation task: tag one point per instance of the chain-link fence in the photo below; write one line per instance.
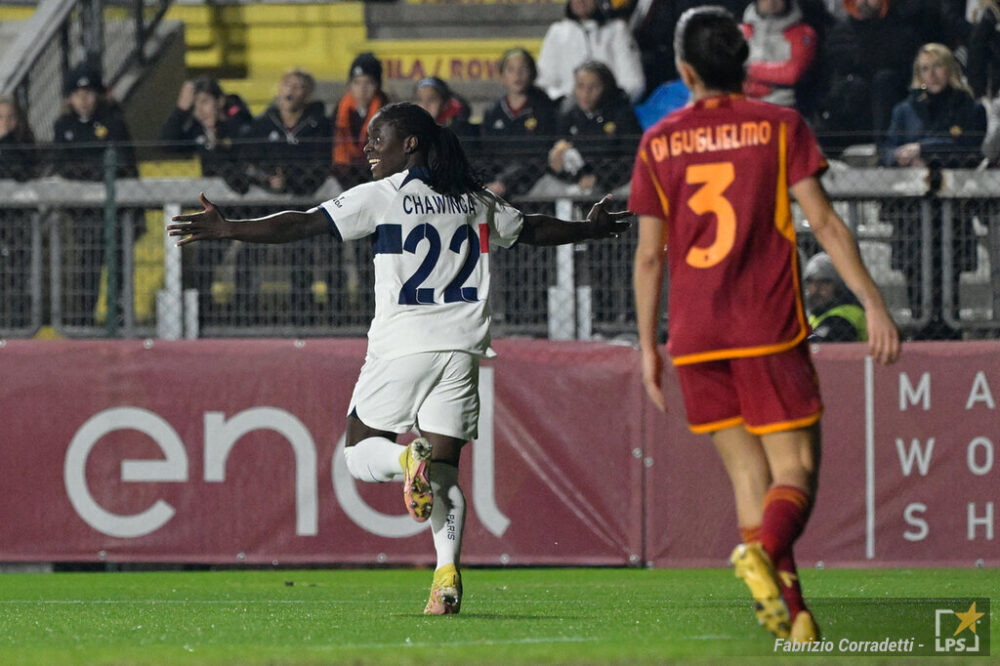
(90, 258)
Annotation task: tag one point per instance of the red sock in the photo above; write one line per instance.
(788, 574)
(788, 577)
(786, 509)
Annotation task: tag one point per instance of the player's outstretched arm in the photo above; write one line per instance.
(839, 243)
(647, 283)
(600, 223)
(211, 224)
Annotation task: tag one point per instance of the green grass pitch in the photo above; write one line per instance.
(513, 616)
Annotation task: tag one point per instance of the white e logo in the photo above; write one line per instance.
(173, 468)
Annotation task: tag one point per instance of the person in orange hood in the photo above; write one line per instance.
(350, 121)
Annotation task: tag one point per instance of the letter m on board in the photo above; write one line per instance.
(921, 394)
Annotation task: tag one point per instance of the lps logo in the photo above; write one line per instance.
(947, 639)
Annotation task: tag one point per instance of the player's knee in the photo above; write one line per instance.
(357, 467)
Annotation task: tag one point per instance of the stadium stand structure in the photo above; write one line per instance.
(249, 46)
(139, 55)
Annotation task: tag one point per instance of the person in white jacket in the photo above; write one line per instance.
(586, 34)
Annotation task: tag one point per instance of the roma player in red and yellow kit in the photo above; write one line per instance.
(712, 187)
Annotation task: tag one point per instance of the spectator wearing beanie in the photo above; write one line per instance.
(356, 108)
(447, 108)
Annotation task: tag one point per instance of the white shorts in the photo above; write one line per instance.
(436, 391)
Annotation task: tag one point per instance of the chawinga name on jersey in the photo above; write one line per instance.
(438, 204)
(727, 136)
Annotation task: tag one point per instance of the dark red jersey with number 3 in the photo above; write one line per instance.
(718, 172)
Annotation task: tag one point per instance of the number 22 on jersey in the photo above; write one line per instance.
(412, 293)
(714, 178)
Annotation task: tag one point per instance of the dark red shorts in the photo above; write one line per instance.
(767, 393)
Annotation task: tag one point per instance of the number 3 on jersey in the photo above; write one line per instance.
(714, 178)
(412, 293)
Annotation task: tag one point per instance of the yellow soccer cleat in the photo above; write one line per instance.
(804, 628)
(417, 493)
(754, 567)
(446, 592)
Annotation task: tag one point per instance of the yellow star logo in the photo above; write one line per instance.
(968, 619)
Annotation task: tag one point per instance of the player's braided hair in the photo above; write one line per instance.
(710, 40)
(449, 169)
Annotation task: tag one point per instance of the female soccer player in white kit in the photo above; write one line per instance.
(433, 224)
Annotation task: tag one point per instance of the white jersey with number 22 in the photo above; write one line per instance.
(432, 272)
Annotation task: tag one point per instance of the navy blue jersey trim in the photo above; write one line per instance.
(333, 225)
(416, 173)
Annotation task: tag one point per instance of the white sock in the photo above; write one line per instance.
(448, 514)
(375, 459)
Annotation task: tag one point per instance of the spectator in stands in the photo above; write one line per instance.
(517, 127)
(91, 121)
(290, 142)
(835, 315)
(587, 34)
(288, 152)
(782, 49)
(208, 122)
(91, 124)
(17, 162)
(356, 108)
(436, 97)
(18, 157)
(940, 121)
(651, 23)
(598, 134)
(984, 71)
(984, 50)
(937, 21)
(939, 125)
(869, 55)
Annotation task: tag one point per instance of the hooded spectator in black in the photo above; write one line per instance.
(90, 123)
(289, 144)
(517, 128)
(868, 56)
(208, 121)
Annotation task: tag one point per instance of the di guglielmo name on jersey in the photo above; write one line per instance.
(726, 136)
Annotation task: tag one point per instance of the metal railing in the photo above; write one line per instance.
(91, 260)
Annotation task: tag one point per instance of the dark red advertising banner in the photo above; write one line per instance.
(231, 451)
